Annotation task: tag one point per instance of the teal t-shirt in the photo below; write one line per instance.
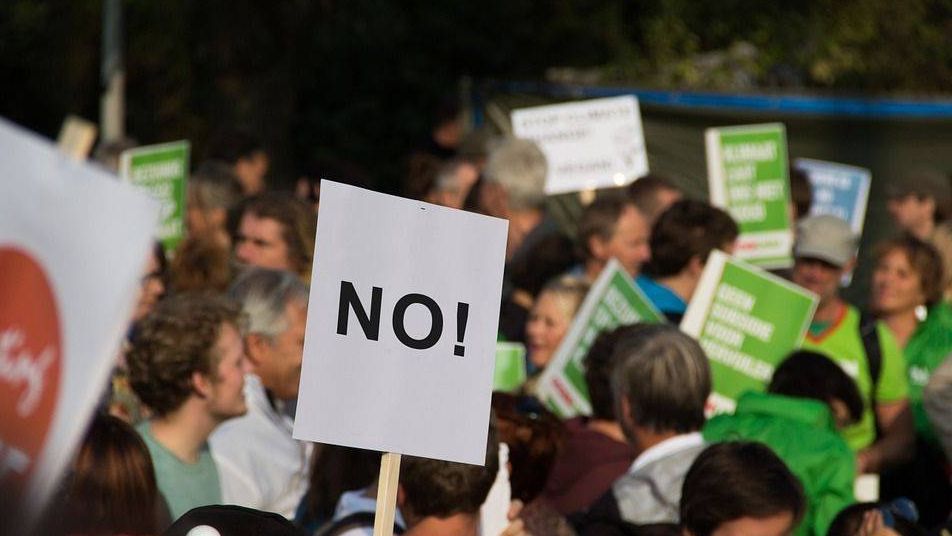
(928, 347)
(801, 432)
(842, 343)
(184, 485)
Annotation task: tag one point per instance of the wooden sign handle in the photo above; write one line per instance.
(387, 494)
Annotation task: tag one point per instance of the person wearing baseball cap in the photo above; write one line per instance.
(864, 348)
(920, 204)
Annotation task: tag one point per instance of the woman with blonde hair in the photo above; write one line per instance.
(550, 318)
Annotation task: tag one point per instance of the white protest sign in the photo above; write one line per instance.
(401, 327)
(73, 245)
(590, 144)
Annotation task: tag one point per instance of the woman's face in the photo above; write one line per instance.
(897, 287)
(548, 322)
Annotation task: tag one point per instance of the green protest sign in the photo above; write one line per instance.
(161, 171)
(612, 301)
(747, 321)
(747, 176)
(510, 371)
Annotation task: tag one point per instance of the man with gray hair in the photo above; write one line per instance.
(514, 188)
(260, 464)
(660, 382)
(453, 182)
(515, 175)
(212, 192)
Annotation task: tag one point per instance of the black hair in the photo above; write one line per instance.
(737, 479)
(232, 145)
(441, 489)
(598, 371)
(801, 193)
(806, 374)
(687, 229)
(644, 193)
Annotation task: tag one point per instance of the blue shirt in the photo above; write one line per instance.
(663, 298)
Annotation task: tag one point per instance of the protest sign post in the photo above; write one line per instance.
(387, 484)
(591, 144)
(161, 171)
(612, 301)
(747, 321)
(76, 137)
(66, 306)
(747, 176)
(401, 330)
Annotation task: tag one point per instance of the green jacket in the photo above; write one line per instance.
(803, 434)
(928, 347)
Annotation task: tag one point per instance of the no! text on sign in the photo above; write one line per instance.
(401, 327)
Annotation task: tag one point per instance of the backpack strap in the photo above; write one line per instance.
(353, 521)
(874, 352)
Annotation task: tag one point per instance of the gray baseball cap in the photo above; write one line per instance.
(827, 238)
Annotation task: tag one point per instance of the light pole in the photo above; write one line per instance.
(112, 103)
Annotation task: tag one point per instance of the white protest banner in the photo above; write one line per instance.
(591, 144)
(747, 320)
(838, 190)
(747, 176)
(76, 137)
(161, 171)
(612, 301)
(73, 245)
(401, 327)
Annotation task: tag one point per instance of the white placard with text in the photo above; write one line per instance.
(591, 144)
(401, 327)
(73, 246)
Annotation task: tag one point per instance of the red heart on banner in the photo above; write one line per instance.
(30, 363)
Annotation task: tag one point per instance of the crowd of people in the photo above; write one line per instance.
(196, 425)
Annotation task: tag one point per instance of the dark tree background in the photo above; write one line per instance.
(358, 79)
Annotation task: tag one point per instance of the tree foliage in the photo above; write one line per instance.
(357, 79)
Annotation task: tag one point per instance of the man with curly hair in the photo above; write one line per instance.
(187, 365)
